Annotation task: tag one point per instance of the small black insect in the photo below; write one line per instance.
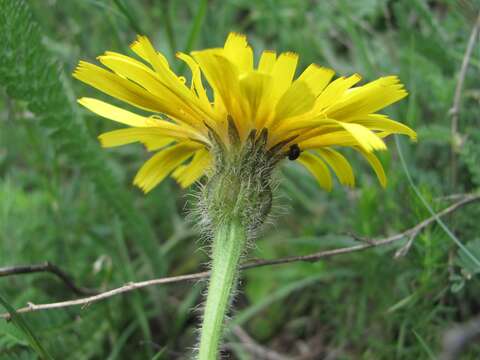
(294, 152)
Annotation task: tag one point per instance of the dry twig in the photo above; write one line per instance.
(48, 268)
(253, 264)
(257, 351)
(455, 109)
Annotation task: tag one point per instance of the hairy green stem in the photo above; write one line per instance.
(228, 246)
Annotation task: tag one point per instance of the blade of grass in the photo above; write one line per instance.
(245, 315)
(197, 24)
(194, 30)
(429, 208)
(167, 21)
(22, 325)
(184, 308)
(129, 273)
(103, 6)
(129, 16)
(426, 13)
(121, 341)
(159, 354)
(358, 40)
(425, 346)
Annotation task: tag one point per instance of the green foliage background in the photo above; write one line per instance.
(65, 200)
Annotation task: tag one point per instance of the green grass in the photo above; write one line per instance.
(55, 206)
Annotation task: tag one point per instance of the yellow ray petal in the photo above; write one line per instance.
(176, 84)
(131, 135)
(144, 48)
(267, 61)
(364, 137)
(318, 169)
(302, 126)
(238, 51)
(134, 71)
(368, 140)
(126, 117)
(335, 90)
(186, 175)
(160, 165)
(298, 99)
(125, 58)
(383, 123)
(316, 129)
(118, 114)
(283, 72)
(339, 137)
(156, 143)
(316, 77)
(196, 78)
(115, 113)
(118, 87)
(255, 88)
(175, 98)
(223, 77)
(368, 98)
(339, 164)
(376, 165)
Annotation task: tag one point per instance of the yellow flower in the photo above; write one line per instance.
(305, 117)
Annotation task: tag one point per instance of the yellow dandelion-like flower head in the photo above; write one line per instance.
(256, 113)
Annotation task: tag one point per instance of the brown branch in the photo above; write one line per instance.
(254, 264)
(366, 244)
(48, 268)
(455, 109)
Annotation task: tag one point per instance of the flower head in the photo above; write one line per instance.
(191, 130)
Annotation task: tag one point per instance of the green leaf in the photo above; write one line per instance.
(22, 325)
(10, 336)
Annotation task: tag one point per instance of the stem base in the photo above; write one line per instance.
(228, 245)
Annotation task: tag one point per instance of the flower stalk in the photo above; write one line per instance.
(235, 201)
(228, 246)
